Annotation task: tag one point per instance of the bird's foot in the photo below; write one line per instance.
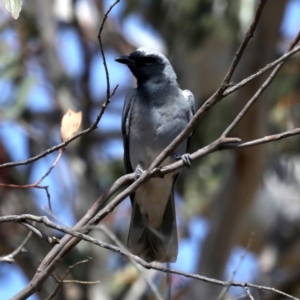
(186, 158)
(138, 172)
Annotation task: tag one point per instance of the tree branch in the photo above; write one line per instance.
(269, 66)
(60, 281)
(11, 257)
(259, 91)
(155, 266)
(36, 184)
(244, 43)
(115, 240)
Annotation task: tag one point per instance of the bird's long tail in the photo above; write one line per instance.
(154, 244)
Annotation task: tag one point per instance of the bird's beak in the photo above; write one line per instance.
(126, 60)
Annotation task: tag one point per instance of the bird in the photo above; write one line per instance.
(154, 113)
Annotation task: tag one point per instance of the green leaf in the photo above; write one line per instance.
(14, 7)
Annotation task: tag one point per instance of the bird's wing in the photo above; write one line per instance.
(129, 100)
(191, 101)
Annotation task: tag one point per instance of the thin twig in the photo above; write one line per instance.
(82, 282)
(116, 241)
(102, 52)
(36, 184)
(61, 145)
(264, 140)
(47, 222)
(11, 257)
(231, 278)
(39, 233)
(248, 293)
(244, 43)
(259, 91)
(60, 281)
(221, 143)
(98, 118)
(269, 66)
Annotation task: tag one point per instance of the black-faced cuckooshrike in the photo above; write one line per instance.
(154, 114)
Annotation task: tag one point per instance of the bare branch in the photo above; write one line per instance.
(82, 282)
(115, 240)
(269, 66)
(61, 145)
(242, 257)
(244, 43)
(103, 55)
(11, 257)
(39, 233)
(60, 281)
(259, 91)
(264, 140)
(248, 293)
(98, 118)
(155, 266)
(36, 184)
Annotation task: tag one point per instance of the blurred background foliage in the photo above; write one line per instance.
(238, 211)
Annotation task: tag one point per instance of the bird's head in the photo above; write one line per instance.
(148, 64)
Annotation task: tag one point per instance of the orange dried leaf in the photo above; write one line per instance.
(70, 124)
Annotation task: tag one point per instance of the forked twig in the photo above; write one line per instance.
(259, 91)
(37, 183)
(62, 280)
(11, 257)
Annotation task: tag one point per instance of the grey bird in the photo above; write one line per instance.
(154, 113)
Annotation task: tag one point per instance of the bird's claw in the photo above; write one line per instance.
(186, 158)
(138, 172)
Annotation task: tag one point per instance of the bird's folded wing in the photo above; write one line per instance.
(129, 100)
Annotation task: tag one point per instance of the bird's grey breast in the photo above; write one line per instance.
(154, 123)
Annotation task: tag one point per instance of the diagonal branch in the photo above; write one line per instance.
(36, 184)
(215, 98)
(116, 241)
(64, 144)
(269, 66)
(62, 280)
(259, 91)
(39, 233)
(244, 43)
(11, 257)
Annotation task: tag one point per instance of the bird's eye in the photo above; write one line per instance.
(148, 61)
